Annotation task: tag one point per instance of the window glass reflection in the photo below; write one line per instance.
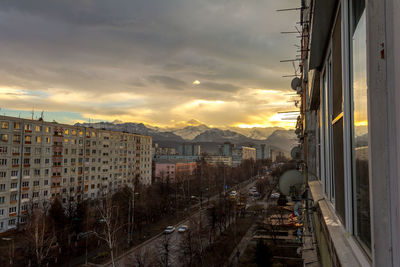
(362, 223)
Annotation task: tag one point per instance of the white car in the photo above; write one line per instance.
(170, 229)
(182, 228)
(275, 195)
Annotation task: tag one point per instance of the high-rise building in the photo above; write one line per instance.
(40, 161)
(189, 149)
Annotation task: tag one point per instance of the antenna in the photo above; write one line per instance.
(33, 111)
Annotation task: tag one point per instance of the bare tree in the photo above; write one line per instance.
(109, 223)
(141, 258)
(40, 233)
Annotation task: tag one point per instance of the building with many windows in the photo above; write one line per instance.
(40, 161)
(350, 128)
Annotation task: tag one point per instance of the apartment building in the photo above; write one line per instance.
(242, 153)
(350, 128)
(172, 170)
(40, 161)
(217, 159)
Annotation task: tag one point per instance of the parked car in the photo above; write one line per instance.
(170, 229)
(183, 228)
(275, 195)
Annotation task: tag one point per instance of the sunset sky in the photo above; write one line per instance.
(160, 62)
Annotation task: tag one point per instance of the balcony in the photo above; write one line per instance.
(12, 214)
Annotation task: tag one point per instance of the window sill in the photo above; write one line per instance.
(345, 247)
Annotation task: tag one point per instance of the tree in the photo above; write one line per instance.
(40, 234)
(109, 223)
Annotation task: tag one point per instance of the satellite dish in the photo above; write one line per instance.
(296, 82)
(291, 182)
(296, 152)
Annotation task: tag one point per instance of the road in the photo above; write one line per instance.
(155, 247)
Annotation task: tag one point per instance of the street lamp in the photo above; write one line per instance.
(11, 248)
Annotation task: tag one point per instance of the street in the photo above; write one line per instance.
(155, 247)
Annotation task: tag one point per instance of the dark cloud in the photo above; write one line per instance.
(168, 82)
(143, 47)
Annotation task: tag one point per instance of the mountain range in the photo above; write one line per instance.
(203, 134)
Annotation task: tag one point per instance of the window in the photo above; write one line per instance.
(3, 162)
(2, 187)
(28, 127)
(25, 184)
(46, 182)
(12, 209)
(3, 150)
(27, 149)
(48, 141)
(38, 128)
(2, 200)
(36, 172)
(14, 173)
(1, 212)
(11, 222)
(35, 194)
(4, 137)
(36, 183)
(4, 125)
(38, 139)
(17, 125)
(25, 195)
(13, 197)
(3, 174)
(358, 58)
(26, 172)
(15, 161)
(28, 139)
(48, 129)
(66, 131)
(38, 150)
(37, 161)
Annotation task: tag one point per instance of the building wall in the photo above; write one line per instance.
(164, 171)
(353, 179)
(218, 160)
(40, 161)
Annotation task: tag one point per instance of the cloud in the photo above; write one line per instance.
(167, 82)
(140, 58)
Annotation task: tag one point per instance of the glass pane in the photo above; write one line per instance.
(360, 128)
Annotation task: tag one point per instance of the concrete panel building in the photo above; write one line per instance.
(350, 128)
(40, 161)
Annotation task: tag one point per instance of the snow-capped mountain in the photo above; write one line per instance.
(138, 128)
(190, 132)
(256, 133)
(217, 135)
(283, 139)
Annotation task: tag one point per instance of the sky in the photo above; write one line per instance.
(160, 62)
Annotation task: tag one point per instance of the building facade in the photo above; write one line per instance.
(172, 171)
(215, 160)
(40, 161)
(189, 149)
(350, 128)
(242, 153)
